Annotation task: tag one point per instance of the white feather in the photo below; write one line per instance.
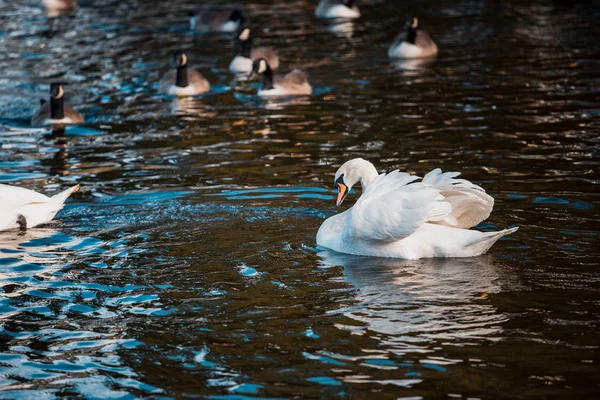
(241, 65)
(229, 26)
(405, 50)
(35, 207)
(334, 9)
(470, 204)
(189, 90)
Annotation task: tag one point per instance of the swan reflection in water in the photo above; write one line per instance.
(421, 301)
(35, 245)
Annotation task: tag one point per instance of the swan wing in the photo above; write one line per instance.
(470, 203)
(393, 208)
(14, 197)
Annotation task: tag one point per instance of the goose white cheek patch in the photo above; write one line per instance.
(245, 34)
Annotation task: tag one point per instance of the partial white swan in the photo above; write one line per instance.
(400, 218)
(23, 208)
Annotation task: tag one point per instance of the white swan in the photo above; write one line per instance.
(400, 218)
(23, 208)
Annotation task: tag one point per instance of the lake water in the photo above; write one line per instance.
(186, 267)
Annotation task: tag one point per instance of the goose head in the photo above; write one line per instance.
(243, 35)
(237, 16)
(413, 22)
(180, 59)
(351, 172)
(192, 19)
(56, 91)
(260, 66)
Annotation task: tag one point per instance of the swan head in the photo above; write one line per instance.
(351, 172)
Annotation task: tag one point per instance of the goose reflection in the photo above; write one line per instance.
(59, 164)
(191, 106)
(341, 29)
(415, 66)
(423, 300)
(280, 103)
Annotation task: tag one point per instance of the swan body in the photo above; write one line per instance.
(400, 218)
(337, 9)
(414, 43)
(24, 208)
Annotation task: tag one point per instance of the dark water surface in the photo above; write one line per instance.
(187, 267)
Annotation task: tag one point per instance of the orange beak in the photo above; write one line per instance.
(342, 192)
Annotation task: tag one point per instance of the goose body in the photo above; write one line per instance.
(58, 7)
(337, 9)
(183, 81)
(293, 83)
(56, 112)
(400, 218)
(217, 20)
(242, 62)
(414, 43)
(24, 208)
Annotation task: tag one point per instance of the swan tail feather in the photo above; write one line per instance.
(484, 243)
(64, 195)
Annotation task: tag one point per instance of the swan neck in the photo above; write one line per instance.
(369, 173)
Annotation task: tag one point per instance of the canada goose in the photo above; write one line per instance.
(415, 43)
(23, 208)
(55, 8)
(337, 9)
(56, 112)
(294, 83)
(242, 62)
(216, 19)
(182, 81)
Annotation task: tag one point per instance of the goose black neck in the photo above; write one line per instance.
(181, 79)
(246, 47)
(350, 3)
(268, 79)
(57, 108)
(411, 35)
